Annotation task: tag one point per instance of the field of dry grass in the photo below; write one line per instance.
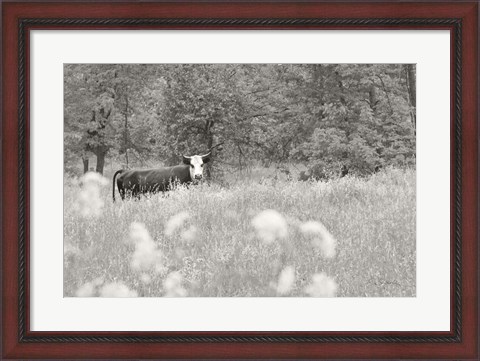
(347, 237)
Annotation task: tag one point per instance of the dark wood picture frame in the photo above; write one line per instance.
(460, 18)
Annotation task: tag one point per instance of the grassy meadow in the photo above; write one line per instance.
(347, 237)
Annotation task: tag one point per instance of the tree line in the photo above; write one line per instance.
(330, 117)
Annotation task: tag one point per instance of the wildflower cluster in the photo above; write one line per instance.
(89, 202)
(146, 255)
(176, 225)
(320, 237)
(271, 226)
(117, 289)
(172, 285)
(97, 288)
(321, 286)
(286, 280)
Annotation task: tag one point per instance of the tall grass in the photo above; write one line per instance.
(214, 247)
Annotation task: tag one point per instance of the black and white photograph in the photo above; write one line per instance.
(239, 180)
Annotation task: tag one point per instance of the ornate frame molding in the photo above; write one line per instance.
(288, 23)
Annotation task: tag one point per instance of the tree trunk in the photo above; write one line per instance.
(208, 171)
(100, 160)
(85, 164)
(373, 99)
(125, 138)
(412, 91)
(97, 135)
(386, 94)
(240, 155)
(209, 136)
(318, 84)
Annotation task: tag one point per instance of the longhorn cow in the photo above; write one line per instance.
(133, 183)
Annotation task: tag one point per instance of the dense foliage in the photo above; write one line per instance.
(330, 117)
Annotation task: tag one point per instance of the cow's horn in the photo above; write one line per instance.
(186, 159)
(206, 157)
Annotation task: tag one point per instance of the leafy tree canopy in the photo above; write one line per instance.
(330, 117)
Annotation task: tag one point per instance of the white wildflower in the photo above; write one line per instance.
(189, 234)
(89, 201)
(146, 254)
(94, 177)
(70, 252)
(89, 289)
(175, 223)
(139, 233)
(320, 237)
(270, 225)
(145, 278)
(180, 253)
(86, 290)
(172, 285)
(286, 280)
(70, 249)
(160, 269)
(321, 286)
(98, 281)
(117, 290)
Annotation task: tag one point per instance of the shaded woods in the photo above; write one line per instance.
(333, 118)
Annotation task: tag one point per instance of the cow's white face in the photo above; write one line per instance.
(195, 164)
(196, 168)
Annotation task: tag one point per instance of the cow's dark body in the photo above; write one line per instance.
(136, 182)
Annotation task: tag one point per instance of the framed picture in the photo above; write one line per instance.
(290, 180)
